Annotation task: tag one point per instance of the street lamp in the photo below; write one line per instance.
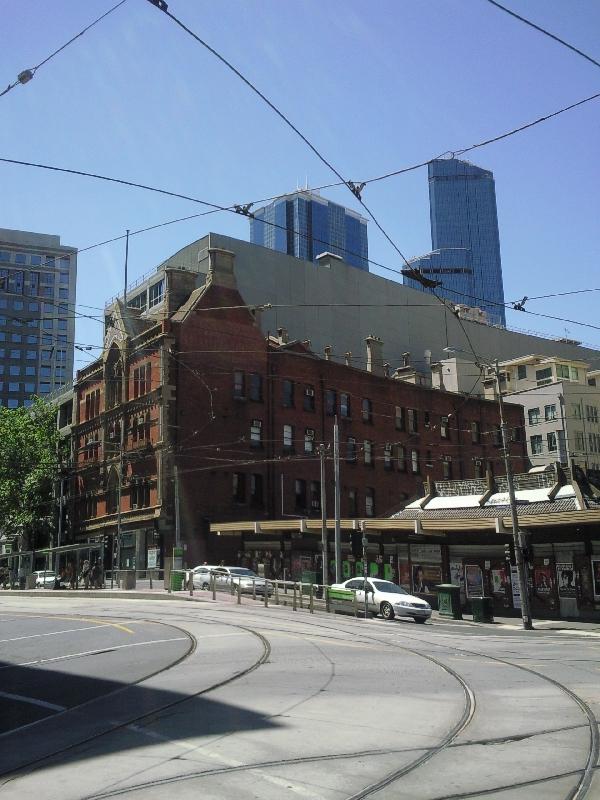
(517, 534)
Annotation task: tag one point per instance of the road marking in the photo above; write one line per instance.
(96, 652)
(32, 700)
(117, 625)
(55, 633)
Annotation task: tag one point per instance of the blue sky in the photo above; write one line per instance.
(376, 86)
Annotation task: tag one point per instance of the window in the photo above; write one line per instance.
(367, 410)
(552, 442)
(413, 421)
(352, 502)
(239, 385)
(579, 441)
(444, 428)
(14, 387)
(63, 294)
(31, 355)
(49, 261)
(400, 419)
(256, 387)
(18, 305)
(62, 324)
(516, 434)
(308, 398)
(309, 440)
(315, 495)
(142, 380)
(401, 458)
(447, 468)
(345, 405)
(64, 279)
(549, 413)
(155, 292)
(351, 449)
(497, 436)
(30, 371)
(522, 372)
(139, 494)
(368, 452)
(562, 371)
(591, 413)
(46, 355)
(534, 416)
(287, 398)
(544, 376)
(35, 261)
(330, 402)
(47, 324)
(475, 432)
(15, 353)
(45, 372)
(12, 402)
(32, 340)
(300, 494)
(256, 433)
(64, 262)
(387, 457)
(61, 355)
(256, 490)
(477, 468)
(414, 462)
(288, 437)
(369, 502)
(239, 487)
(426, 419)
(536, 445)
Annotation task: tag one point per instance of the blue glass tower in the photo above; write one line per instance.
(304, 224)
(464, 237)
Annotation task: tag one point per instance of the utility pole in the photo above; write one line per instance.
(177, 517)
(324, 547)
(336, 480)
(517, 535)
(122, 426)
(365, 569)
(60, 518)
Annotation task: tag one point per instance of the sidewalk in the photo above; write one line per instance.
(514, 623)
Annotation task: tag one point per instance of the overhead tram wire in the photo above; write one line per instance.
(27, 74)
(544, 32)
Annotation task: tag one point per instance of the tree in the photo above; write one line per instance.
(29, 444)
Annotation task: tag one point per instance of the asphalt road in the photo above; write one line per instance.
(147, 699)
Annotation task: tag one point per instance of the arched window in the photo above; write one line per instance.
(114, 377)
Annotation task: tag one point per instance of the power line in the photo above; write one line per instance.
(27, 74)
(545, 32)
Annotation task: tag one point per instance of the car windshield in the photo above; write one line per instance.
(245, 572)
(388, 586)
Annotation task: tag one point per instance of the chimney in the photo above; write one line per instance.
(327, 259)
(386, 370)
(220, 267)
(327, 352)
(374, 355)
(283, 335)
(428, 358)
(406, 359)
(348, 358)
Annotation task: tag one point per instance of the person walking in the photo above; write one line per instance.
(85, 573)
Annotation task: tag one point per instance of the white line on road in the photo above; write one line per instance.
(96, 652)
(32, 700)
(56, 633)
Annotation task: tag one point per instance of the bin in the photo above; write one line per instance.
(176, 581)
(127, 579)
(449, 601)
(483, 609)
(308, 577)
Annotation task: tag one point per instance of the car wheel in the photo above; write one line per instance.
(421, 620)
(386, 611)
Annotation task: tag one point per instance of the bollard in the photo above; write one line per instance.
(191, 583)
(355, 604)
(326, 591)
(276, 593)
(301, 596)
(254, 588)
(311, 603)
(213, 581)
(239, 593)
(150, 572)
(294, 606)
(266, 595)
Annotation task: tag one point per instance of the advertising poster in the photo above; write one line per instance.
(516, 589)
(474, 580)
(542, 580)
(404, 575)
(565, 575)
(426, 577)
(596, 577)
(499, 581)
(457, 574)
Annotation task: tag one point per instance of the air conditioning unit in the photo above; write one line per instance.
(134, 506)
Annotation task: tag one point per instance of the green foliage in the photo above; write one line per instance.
(28, 464)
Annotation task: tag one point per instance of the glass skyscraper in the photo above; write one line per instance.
(464, 238)
(304, 224)
(38, 279)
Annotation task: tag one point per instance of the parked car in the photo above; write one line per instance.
(44, 579)
(201, 576)
(248, 580)
(387, 598)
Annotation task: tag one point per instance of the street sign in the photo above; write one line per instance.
(152, 557)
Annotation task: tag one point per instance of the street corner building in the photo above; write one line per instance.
(194, 413)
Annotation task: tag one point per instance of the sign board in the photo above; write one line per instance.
(474, 580)
(565, 576)
(152, 560)
(427, 553)
(596, 577)
(516, 589)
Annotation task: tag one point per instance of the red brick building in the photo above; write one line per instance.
(231, 424)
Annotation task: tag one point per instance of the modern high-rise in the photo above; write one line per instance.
(37, 315)
(304, 224)
(465, 242)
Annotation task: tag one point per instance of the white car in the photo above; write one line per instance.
(387, 598)
(248, 580)
(44, 579)
(201, 576)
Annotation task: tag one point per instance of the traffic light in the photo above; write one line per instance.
(507, 552)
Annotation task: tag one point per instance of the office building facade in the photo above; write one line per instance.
(305, 225)
(465, 241)
(38, 279)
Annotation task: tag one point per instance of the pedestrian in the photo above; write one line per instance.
(85, 573)
(73, 582)
(95, 576)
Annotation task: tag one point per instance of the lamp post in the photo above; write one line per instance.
(516, 532)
